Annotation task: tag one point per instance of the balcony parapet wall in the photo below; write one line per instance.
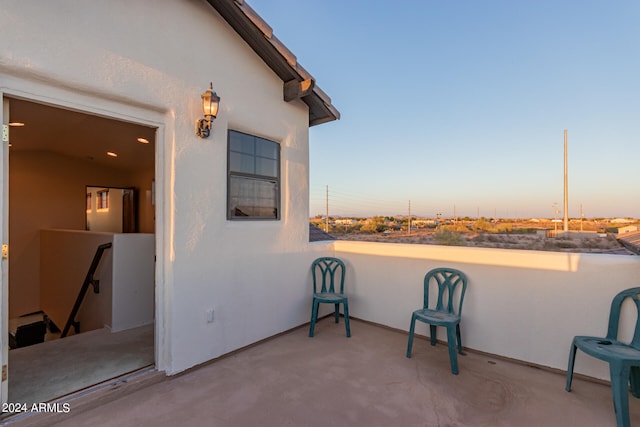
(524, 305)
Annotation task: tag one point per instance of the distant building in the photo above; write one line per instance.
(345, 221)
(627, 229)
(622, 221)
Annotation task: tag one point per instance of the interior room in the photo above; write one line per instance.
(82, 250)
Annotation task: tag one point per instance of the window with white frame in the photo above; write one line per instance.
(253, 184)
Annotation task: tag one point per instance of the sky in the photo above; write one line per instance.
(459, 107)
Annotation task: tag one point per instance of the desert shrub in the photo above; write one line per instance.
(375, 224)
(449, 238)
(482, 224)
(504, 228)
(458, 228)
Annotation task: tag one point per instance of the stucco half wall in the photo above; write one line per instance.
(524, 305)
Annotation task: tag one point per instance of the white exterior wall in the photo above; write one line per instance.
(148, 62)
(525, 305)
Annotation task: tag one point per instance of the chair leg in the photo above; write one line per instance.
(451, 343)
(620, 387)
(634, 379)
(459, 339)
(411, 330)
(337, 312)
(434, 334)
(572, 359)
(346, 319)
(314, 317)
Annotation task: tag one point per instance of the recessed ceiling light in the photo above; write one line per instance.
(112, 154)
(16, 124)
(143, 140)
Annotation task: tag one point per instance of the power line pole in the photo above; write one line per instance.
(566, 187)
(409, 223)
(326, 216)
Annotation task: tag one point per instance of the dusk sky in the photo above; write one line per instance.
(463, 104)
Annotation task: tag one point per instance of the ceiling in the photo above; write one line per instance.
(80, 135)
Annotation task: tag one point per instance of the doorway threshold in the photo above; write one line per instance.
(48, 413)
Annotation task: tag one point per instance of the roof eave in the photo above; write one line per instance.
(259, 36)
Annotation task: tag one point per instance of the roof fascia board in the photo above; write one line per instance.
(259, 36)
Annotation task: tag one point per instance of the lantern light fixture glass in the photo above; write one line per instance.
(210, 104)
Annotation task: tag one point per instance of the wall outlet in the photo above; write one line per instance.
(210, 315)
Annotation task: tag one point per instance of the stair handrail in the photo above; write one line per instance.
(88, 280)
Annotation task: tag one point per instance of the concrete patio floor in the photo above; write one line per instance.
(365, 380)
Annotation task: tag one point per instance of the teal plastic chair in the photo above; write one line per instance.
(446, 311)
(329, 273)
(623, 358)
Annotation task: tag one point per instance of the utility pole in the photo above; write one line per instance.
(581, 217)
(566, 187)
(409, 223)
(326, 216)
(555, 219)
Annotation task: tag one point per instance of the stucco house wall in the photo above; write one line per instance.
(148, 62)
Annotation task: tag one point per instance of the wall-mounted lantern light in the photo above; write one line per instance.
(210, 104)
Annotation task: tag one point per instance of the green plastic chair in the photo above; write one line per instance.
(623, 358)
(330, 273)
(446, 312)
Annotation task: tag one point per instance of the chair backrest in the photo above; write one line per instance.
(614, 315)
(329, 272)
(448, 281)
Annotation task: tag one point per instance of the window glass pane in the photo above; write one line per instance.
(266, 167)
(243, 163)
(248, 144)
(252, 198)
(267, 149)
(241, 143)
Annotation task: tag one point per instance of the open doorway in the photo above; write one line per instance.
(66, 170)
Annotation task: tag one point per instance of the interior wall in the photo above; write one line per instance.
(109, 219)
(144, 183)
(46, 191)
